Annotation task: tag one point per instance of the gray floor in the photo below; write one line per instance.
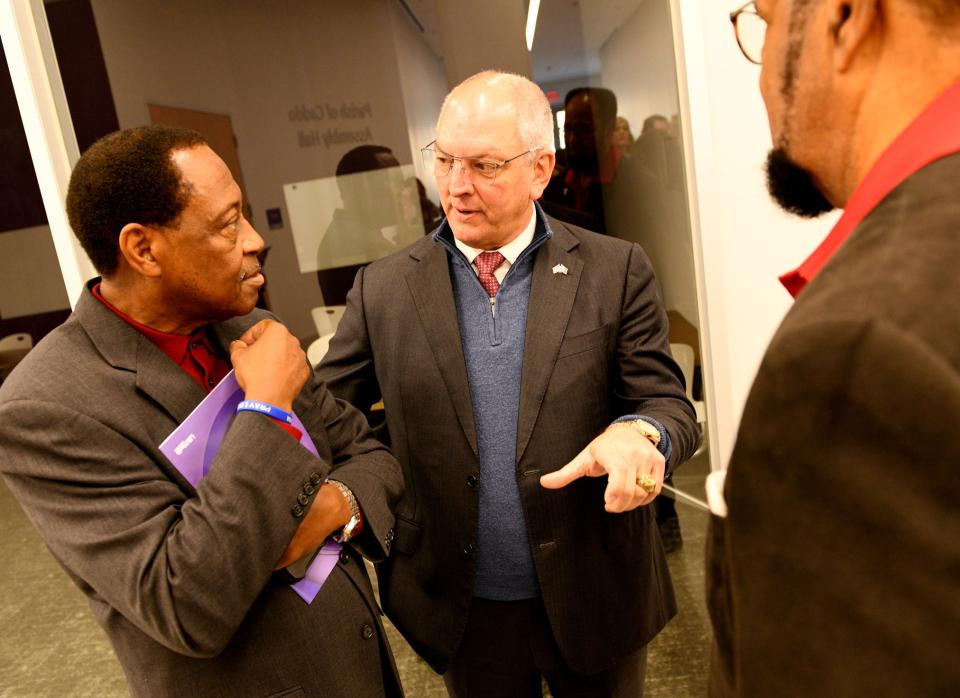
(50, 645)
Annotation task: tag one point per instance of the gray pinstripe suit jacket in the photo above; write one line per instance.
(181, 579)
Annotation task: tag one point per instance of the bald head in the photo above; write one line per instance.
(497, 129)
(505, 96)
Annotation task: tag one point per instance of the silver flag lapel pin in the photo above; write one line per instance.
(560, 269)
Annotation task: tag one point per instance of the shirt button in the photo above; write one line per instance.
(472, 481)
(210, 382)
(366, 632)
(468, 550)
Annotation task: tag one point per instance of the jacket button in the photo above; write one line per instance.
(472, 481)
(303, 499)
(468, 550)
(315, 478)
(308, 489)
(344, 557)
(297, 511)
(366, 632)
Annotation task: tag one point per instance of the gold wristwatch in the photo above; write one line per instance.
(646, 429)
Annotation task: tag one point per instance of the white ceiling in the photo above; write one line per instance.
(569, 33)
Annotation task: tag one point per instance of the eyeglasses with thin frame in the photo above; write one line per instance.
(486, 170)
(751, 31)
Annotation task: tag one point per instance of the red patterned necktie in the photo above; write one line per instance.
(487, 262)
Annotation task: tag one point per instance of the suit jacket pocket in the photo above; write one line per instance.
(407, 536)
(584, 342)
(628, 530)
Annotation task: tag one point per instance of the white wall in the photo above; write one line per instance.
(746, 242)
(637, 63)
(257, 62)
(487, 35)
(32, 282)
(424, 86)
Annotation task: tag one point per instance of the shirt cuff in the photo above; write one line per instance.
(664, 446)
(289, 428)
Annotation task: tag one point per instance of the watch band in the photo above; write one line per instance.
(350, 528)
(646, 429)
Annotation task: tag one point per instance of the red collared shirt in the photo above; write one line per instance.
(933, 135)
(194, 353)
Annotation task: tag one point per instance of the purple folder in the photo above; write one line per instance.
(192, 445)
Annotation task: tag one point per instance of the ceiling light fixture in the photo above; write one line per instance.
(533, 9)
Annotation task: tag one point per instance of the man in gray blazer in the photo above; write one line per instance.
(505, 346)
(181, 577)
(837, 569)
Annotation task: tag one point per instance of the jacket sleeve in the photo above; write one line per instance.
(347, 368)
(184, 567)
(365, 466)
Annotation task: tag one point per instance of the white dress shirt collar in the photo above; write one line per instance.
(511, 250)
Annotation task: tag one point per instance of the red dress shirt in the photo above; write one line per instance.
(194, 353)
(934, 134)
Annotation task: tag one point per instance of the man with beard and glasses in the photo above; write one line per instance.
(835, 571)
(180, 573)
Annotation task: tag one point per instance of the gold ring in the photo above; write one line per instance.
(647, 483)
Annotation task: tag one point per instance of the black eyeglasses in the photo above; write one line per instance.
(442, 164)
(751, 31)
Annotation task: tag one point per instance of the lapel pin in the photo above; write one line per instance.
(560, 269)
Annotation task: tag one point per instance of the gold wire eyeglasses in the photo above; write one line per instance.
(751, 31)
(442, 163)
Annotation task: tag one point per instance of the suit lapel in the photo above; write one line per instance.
(173, 389)
(165, 383)
(124, 348)
(432, 291)
(551, 301)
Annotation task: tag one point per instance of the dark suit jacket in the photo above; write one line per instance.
(181, 579)
(837, 572)
(595, 348)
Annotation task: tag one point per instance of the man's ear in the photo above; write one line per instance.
(137, 246)
(852, 23)
(542, 171)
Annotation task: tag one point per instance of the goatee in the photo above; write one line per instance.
(792, 186)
